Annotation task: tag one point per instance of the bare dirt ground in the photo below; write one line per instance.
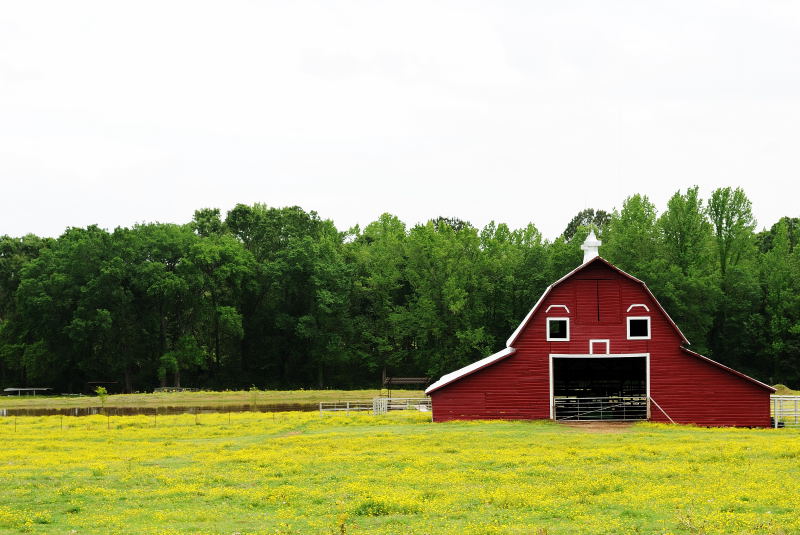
(599, 427)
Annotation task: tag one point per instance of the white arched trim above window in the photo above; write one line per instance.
(637, 305)
(556, 306)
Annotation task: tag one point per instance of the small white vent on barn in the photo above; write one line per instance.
(590, 247)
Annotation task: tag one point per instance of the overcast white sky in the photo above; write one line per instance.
(121, 112)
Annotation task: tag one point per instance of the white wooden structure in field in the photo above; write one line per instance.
(785, 411)
(379, 405)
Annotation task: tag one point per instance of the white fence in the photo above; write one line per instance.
(377, 405)
(619, 408)
(344, 406)
(785, 411)
(384, 405)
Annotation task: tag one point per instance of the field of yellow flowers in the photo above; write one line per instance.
(253, 473)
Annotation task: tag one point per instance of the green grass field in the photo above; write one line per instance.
(199, 399)
(254, 473)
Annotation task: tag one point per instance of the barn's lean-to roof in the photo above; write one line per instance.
(471, 368)
(596, 259)
(727, 369)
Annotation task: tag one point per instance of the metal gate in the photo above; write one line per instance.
(613, 408)
(785, 411)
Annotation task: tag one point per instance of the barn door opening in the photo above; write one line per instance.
(599, 387)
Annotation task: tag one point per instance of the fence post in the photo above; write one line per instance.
(775, 411)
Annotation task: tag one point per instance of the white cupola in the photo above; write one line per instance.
(590, 247)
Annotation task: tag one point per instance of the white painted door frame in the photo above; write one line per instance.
(598, 357)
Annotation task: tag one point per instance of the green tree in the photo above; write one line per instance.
(731, 216)
(207, 222)
(738, 325)
(781, 278)
(172, 300)
(380, 295)
(15, 254)
(445, 308)
(686, 232)
(60, 336)
(764, 239)
(300, 308)
(685, 281)
(588, 217)
(631, 238)
(279, 297)
(218, 271)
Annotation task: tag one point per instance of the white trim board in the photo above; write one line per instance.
(547, 329)
(600, 341)
(628, 327)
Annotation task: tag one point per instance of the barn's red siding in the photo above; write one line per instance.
(687, 387)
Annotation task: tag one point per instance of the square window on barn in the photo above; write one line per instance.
(558, 329)
(639, 328)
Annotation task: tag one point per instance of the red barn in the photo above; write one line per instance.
(598, 345)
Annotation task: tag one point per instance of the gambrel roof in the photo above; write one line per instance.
(597, 259)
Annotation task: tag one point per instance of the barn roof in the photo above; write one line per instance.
(597, 259)
(727, 369)
(471, 368)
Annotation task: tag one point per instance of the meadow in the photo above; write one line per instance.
(294, 472)
(203, 398)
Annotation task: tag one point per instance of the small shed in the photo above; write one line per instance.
(599, 346)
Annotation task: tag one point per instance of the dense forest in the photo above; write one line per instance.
(280, 298)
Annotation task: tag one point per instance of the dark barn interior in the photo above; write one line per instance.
(594, 388)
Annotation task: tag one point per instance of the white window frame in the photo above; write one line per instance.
(628, 327)
(557, 306)
(638, 305)
(547, 331)
(606, 342)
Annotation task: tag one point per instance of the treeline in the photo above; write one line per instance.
(279, 298)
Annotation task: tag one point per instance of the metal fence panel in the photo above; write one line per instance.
(615, 408)
(785, 411)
